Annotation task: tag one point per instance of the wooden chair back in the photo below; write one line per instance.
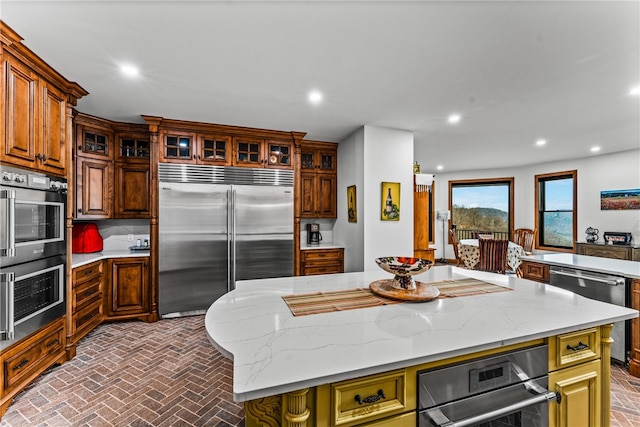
(493, 255)
(526, 238)
(454, 241)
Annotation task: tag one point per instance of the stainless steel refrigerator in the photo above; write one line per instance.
(219, 225)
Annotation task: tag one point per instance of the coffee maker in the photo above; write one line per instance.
(313, 234)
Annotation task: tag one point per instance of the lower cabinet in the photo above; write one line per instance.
(26, 360)
(128, 293)
(579, 371)
(534, 271)
(624, 252)
(580, 401)
(86, 302)
(321, 261)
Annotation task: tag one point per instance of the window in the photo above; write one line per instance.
(556, 204)
(482, 206)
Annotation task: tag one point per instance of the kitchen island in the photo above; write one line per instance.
(295, 370)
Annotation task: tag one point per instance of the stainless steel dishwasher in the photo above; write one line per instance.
(601, 287)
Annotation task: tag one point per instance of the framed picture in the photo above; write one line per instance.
(352, 207)
(390, 209)
(620, 199)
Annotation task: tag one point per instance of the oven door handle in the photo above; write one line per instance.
(8, 207)
(441, 420)
(610, 282)
(7, 322)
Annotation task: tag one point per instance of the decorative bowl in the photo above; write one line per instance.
(403, 268)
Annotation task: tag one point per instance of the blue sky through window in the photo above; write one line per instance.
(489, 196)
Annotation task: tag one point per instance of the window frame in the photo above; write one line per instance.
(509, 181)
(538, 181)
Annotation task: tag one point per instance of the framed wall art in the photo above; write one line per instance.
(390, 209)
(620, 199)
(352, 207)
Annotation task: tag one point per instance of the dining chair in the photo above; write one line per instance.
(525, 237)
(454, 240)
(493, 255)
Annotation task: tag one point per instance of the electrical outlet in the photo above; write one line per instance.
(130, 237)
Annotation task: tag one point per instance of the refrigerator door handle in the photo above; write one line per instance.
(232, 257)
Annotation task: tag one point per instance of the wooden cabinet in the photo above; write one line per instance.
(318, 180)
(629, 253)
(113, 170)
(534, 271)
(321, 261)
(634, 362)
(34, 109)
(428, 254)
(85, 302)
(220, 149)
(580, 400)
(26, 360)
(128, 294)
(132, 195)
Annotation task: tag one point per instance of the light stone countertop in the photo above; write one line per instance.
(629, 269)
(305, 247)
(274, 352)
(78, 260)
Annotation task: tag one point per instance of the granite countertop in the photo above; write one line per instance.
(78, 260)
(274, 352)
(629, 269)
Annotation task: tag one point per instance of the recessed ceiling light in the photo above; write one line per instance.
(541, 142)
(439, 167)
(454, 118)
(595, 149)
(635, 91)
(315, 97)
(129, 70)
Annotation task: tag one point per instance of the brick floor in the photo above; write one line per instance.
(166, 374)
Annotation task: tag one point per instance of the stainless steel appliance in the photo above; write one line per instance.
(32, 252)
(508, 389)
(219, 225)
(601, 287)
(313, 234)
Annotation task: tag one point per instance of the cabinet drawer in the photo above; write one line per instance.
(84, 292)
(366, 399)
(310, 270)
(87, 318)
(535, 271)
(314, 255)
(573, 348)
(34, 357)
(87, 272)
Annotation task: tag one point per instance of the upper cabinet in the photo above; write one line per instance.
(36, 106)
(221, 145)
(113, 170)
(318, 179)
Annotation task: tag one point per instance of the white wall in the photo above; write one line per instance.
(606, 172)
(351, 172)
(368, 157)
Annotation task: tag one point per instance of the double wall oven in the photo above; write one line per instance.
(32, 252)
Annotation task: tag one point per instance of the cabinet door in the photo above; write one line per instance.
(94, 188)
(53, 153)
(132, 148)
(307, 195)
(327, 160)
(279, 155)
(20, 88)
(132, 195)
(326, 196)
(178, 147)
(94, 142)
(129, 289)
(248, 152)
(214, 150)
(580, 402)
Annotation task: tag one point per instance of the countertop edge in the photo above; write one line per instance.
(628, 269)
(78, 260)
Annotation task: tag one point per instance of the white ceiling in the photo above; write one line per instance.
(516, 71)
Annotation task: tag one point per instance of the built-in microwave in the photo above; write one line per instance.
(32, 216)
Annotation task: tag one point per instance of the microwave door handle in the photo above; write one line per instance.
(7, 322)
(8, 243)
(441, 420)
